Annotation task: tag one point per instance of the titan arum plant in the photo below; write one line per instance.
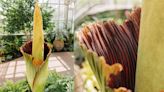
(36, 54)
(111, 51)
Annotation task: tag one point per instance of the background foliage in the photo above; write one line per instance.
(18, 18)
(55, 83)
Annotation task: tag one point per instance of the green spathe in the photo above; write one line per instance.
(150, 64)
(36, 76)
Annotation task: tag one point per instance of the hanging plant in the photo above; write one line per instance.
(111, 51)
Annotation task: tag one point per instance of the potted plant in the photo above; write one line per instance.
(58, 42)
(1, 55)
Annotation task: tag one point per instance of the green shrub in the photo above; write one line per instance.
(69, 41)
(10, 46)
(58, 83)
(55, 83)
(21, 86)
(18, 15)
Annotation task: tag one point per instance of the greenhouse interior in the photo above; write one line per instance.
(16, 28)
(81, 46)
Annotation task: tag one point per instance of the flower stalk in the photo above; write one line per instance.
(36, 54)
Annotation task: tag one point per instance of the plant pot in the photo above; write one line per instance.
(58, 44)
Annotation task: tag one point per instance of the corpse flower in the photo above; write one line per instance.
(36, 54)
(111, 51)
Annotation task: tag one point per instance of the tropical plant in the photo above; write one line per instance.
(36, 54)
(111, 51)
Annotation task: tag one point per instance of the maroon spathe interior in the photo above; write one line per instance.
(118, 44)
(27, 48)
